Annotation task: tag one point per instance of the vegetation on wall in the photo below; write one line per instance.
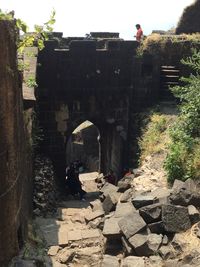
(158, 44)
(183, 159)
(35, 38)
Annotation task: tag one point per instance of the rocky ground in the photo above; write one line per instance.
(140, 222)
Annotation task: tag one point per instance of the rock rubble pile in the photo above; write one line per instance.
(45, 193)
(159, 227)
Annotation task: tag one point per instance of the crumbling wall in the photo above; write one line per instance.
(189, 21)
(15, 160)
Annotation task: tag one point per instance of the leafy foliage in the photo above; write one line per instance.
(37, 37)
(183, 160)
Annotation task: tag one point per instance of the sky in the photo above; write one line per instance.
(79, 17)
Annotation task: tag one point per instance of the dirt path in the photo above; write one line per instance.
(70, 240)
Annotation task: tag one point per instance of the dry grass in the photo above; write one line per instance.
(155, 137)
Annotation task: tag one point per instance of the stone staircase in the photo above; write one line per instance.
(169, 77)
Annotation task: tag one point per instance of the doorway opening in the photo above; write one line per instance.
(83, 145)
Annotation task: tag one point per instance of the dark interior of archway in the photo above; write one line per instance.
(83, 145)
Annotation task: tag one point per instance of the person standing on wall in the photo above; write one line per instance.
(139, 34)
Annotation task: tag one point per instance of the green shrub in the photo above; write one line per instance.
(183, 160)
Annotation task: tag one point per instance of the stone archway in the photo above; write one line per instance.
(83, 145)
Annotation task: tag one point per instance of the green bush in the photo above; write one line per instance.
(183, 159)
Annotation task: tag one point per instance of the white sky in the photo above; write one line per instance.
(78, 17)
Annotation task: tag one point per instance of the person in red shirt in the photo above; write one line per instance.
(139, 33)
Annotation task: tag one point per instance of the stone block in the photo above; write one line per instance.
(123, 186)
(177, 185)
(131, 224)
(88, 234)
(110, 261)
(162, 194)
(111, 228)
(151, 213)
(108, 188)
(141, 201)
(127, 248)
(122, 209)
(167, 252)
(193, 214)
(110, 202)
(181, 197)
(96, 205)
(145, 244)
(127, 195)
(132, 261)
(157, 227)
(74, 235)
(175, 218)
(93, 215)
(53, 250)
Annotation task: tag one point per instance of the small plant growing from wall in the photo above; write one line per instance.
(35, 38)
(183, 160)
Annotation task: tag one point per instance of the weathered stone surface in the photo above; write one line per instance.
(131, 224)
(154, 261)
(122, 209)
(175, 218)
(96, 205)
(127, 248)
(127, 195)
(133, 261)
(93, 215)
(154, 241)
(192, 258)
(182, 197)
(108, 188)
(177, 185)
(139, 244)
(93, 233)
(111, 228)
(179, 243)
(157, 227)
(146, 245)
(123, 186)
(151, 213)
(161, 194)
(167, 252)
(171, 263)
(193, 214)
(110, 202)
(141, 201)
(74, 235)
(65, 255)
(110, 261)
(191, 185)
(53, 250)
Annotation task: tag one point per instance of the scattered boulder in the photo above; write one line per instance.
(123, 185)
(151, 213)
(127, 195)
(111, 228)
(131, 224)
(194, 214)
(110, 201)
(141, 201)
(145, 244)
(122, 209)
(108, 188)
(175, 218)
